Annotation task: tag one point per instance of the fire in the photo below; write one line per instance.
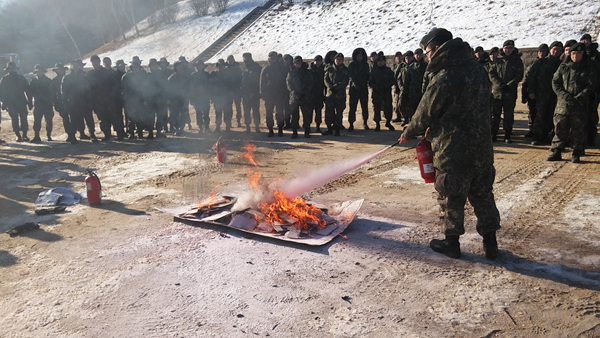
(249, 154)
(211, 199)
(295, 208)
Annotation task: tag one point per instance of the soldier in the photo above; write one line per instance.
(359, 87)
(136, 95)
(455, 111)
(539, 90)
(413, 84)
(574, 83)
(251, 92)
(102, 86)
(75, 90)
(118, 102)
(591, 50)
(185, 118)
(505, 76)
(199, 95)
(222, 95)
(542, 52)
(57, 100)
(158, 100)
(41, 90)
(567, 52)
(403, 86)
(336, 81)
(272, 83)
(318, 89)
(15, 95)
(299, 83)
(482, 57)
(166, 72)
(397, 67)
(382, 81)
(288, 64)
(235, 74)
(373, 60)
(178, 91)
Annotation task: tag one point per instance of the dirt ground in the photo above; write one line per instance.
(126, 269)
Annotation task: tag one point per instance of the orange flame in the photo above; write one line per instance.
(295, 208)
(249, 154)
(210, 200)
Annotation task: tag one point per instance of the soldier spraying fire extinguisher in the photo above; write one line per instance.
(455, 111)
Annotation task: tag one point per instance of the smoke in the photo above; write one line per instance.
(301, 184)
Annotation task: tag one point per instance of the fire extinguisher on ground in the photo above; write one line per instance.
(93, 188)
(425, 158)
(221, 151)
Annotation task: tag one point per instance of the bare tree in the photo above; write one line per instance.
(168, 13)
(200, 7)
(133, 20)
(113, 10)
(221, 6)
(61, 19)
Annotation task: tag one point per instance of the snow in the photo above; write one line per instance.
(376, 25)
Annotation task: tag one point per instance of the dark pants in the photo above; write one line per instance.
(506, 105)
(202, 109)
(46, 112)
(274, 106)
(177, 112)
(567, 128)
(382, 102)
(318, 110)
(237, 101)
(334, 112)
(66, 122)
(592, 122)
(454, 189)
(223, 112)
(543, 124)
(251, 111)
(356, 95)
(532, 105)
(18, 113)
(81, 115)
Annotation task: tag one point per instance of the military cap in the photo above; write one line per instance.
(106, 58)
(221, 63)
(58, 66)
(508, 43)
(586, 36)
(298, 58)
(577, 47)
(273, 54)
(318, 58)
(247, 55)
(38, 68)
(380, 53)
(494, 50)
(230, 57)
(120, 63)
(95, 58)
(164, 60)
(136, 63)
(373, 54)
(478, 49)
(136, 58)
(339, 55)
(556, 44)
(542, 47)
(182, 59)
(288, 57)
(199, 63)
(398, 55)
(381, 58)
(440, 34)
(152, 62)
(78, 62)
(409, 53)
(418, 51)
(570, 43)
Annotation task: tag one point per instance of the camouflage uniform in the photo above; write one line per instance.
(222, 97)
(592, 123)
(505, 75)
(15, 95)
(200, 97)
(359, 87)
(299, 83)
(574, 84)
(235, 84)
(57, 100)
(318, 93)
(336, 80)
(102, 87)
(158, 100)
(41, 90)
(251, 93)
(137, 94)
(381, 81)
(539, 82)
(75, 90)
(455, 106)
(413, 87)
(273, 91)
(178, 91)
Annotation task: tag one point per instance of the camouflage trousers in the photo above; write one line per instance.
(542, 123)
(454, 189)
(571, 127)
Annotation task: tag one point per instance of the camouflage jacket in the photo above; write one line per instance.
(299, 84)
(318, 88)
(75, 90)
(56, 96)
(456, 106)
(251, 80)
(336, 80)
(14, 89)
(381, 80)
(235, 78)
(506, 74)
(199, 87)
(272, 82)
(41, 90)
(574, 85)
(101, 84)
(539, 77)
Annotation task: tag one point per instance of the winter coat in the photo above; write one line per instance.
(336, 80)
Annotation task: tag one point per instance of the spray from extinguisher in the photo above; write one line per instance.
(221, 151)
(93, 188)
(425, 158)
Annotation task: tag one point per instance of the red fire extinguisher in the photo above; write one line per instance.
(425, 157)
(221, 151)
(93, 187)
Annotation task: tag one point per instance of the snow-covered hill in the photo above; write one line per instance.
(313, 27)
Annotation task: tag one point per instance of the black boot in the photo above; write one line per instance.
(307, 132)
(36, 138)
(280, 131)
(351, 128)
(389, 126)
(295, 133)
(507, 138)
(555, 156)
(490, 246)
(449, 246)
(575, 157)
(271, 133)
(337, 132)
(377, 128)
